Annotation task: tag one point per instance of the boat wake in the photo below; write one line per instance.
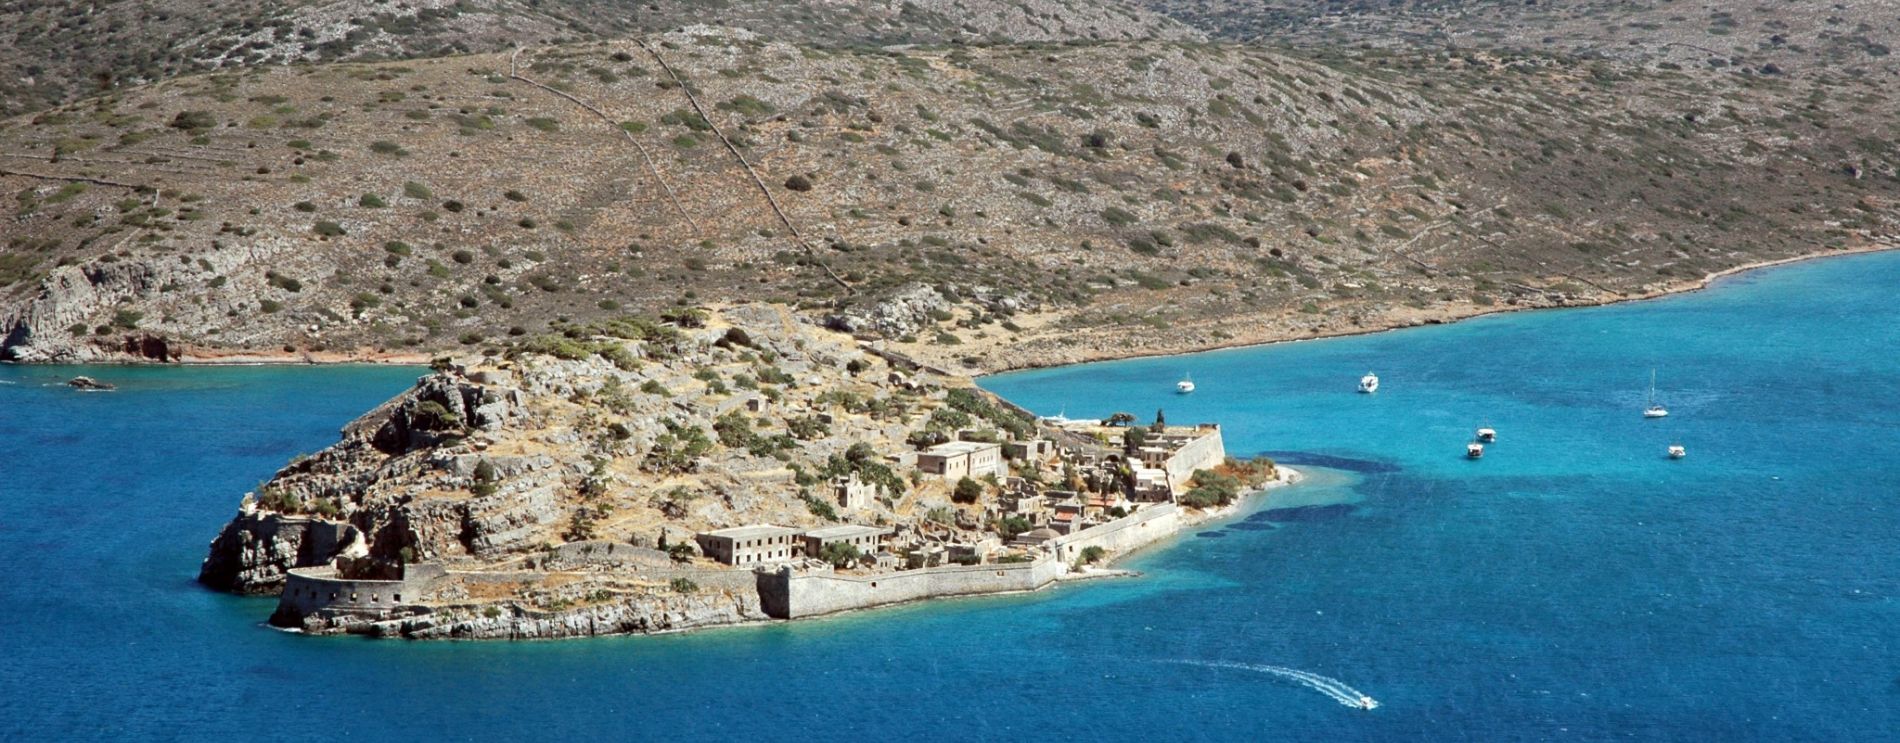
(1331, 687)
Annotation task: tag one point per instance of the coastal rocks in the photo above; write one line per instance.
(256, 550)
(637, 615)
(89, 384)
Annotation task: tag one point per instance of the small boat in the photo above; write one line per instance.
(1369, 383)
(1487, 435)
(1184, 386)
(1365, 702)
(1654, 410)
(1677, 452)
(1474, 450)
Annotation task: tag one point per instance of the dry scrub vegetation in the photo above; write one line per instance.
(1056, 197)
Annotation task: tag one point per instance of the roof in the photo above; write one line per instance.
(960, 447)
(752, 531)
(1038, 535)
(846, 531)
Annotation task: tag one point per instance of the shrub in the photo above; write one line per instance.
(304, 206)
(371, 201)
(967, 491)
(328, 229)
(194, 120)
(798, 183)
(416, 190)
(1093, 554)
(544, 123)
(684, 585)
(385, 147)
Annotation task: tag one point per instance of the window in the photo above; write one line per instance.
(352, 595)
(396, 598)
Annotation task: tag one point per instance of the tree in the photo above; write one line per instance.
(840, 554)
(1133, 439)
(968, 491)
(1161, 419)
(1012, 526)
(1093, 554)
(682, 552)
(1119, 419)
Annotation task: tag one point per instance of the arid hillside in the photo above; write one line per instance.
(52, 52)
(994, 206)
(1816, 38)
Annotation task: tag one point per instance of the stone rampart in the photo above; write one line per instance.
(788, 593)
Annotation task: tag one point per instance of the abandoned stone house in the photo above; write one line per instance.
(852, 492)
(958, 459)
(748, 545)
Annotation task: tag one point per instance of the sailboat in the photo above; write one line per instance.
(1677, 452)
(1655, 410)
(1184, 386)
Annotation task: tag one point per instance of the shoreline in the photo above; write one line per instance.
(393, 628)
(1682, 288)
(213, 357)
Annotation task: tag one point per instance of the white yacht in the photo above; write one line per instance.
(1655, 409)
(1474, 450)
(1487, 435)
(1369, 383)
(1677, 452)
(1184, 386)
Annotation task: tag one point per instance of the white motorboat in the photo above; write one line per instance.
(1655, 409)
(1677, 452)
(1474, 450)
(1487, 435)
(1369, 383)
(1184, 386)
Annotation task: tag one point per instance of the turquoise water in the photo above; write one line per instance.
(1574, 584)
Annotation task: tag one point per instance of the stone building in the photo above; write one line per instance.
(959, 459)
(852, 492)
(865, 538)
(748, 545)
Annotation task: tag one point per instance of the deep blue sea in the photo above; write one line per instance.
(1572, 585)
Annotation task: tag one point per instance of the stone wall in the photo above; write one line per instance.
(1202, 453)
(790, 594)
(1145, 526)
(311, 591)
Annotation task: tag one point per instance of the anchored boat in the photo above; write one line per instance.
(1184, 386)
(1487, 435)
(1677, 452)
(1369, 383)
(1474, 450)
(1655, 409)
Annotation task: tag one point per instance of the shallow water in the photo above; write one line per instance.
(1573, 584)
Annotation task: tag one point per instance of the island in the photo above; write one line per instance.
(708, 466)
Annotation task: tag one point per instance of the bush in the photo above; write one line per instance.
(416, 190)
(329, 229)
(798, 183)
(433, 416)
(194, 120)
(967, 491)
(1093, 555)
(683, 585)
(371, 201)
(385, 147)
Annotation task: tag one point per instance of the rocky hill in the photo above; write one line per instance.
(985, 206)
(52, 52)
(633, 431)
